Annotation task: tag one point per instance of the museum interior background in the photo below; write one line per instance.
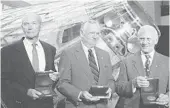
(158, 10)
(62, 21)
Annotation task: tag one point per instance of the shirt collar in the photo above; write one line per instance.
(151, 53)
(86, 49)
(27, 42)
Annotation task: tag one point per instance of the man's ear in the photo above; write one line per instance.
(22, 26)
(156, 41)
(81, 32)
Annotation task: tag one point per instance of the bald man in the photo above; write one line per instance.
(137, 68)
(19, 64)
(83, 66)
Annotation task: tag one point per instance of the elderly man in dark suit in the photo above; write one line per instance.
(83, 66)
(138, 67)
(21, 60)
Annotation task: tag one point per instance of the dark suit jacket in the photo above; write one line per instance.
(132, 68)
(17, 72)
(76, 75)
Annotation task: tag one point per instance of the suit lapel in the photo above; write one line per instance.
(155, 66)
(137, 62)
(46, 52)
(29, 71)
(100, 63)
(82, 60)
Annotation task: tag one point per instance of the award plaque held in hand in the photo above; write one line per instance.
(44, 84)
(150, 94)
(99, 91)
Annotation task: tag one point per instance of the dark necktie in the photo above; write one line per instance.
(35, 60)
(93, 66)
(147, 65)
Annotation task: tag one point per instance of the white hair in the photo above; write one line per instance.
(148, 29)
(31, 14)
(87, 23)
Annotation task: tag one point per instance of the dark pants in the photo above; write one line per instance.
(39, 103)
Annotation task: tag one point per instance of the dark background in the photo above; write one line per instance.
(163, 44)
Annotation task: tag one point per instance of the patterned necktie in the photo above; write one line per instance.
(147, 65)
(93, 66)
(35, 60)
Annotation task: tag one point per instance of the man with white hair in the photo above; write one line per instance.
(83, 66)
(147, 63)
(20, 61)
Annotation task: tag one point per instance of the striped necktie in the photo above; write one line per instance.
(93, 66)
(147, 65)
(35, 60)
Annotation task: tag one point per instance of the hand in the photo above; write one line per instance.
(163, 99)
(140, 81)
(54, 76)
(34, 93)
(109, 92)
(88, 97)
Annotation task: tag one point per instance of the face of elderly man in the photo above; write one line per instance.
(148, 38)
(90, 32)
(31, 25)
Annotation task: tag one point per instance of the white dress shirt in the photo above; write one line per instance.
(87, 54)
(143, 57)
(151, 54)
(40, 51)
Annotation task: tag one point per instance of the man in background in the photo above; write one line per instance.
(20, 61)
(147, 63)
